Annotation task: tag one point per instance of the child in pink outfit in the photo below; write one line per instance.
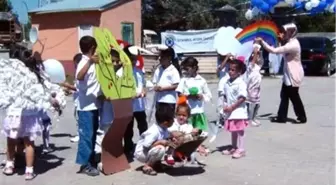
(235, 91)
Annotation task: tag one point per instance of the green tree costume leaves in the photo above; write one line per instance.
(112, 86)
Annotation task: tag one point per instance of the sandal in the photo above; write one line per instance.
(29, 176)
(147, 170)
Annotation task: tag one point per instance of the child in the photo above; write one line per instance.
(181, 128)
(166, 78)
(253, 85)
(24, 124)
(138, 106)
(223, 65)
(195, 88)
(87, 106)
(152, 144)
(235, 92)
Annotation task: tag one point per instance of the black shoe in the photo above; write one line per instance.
(301, 121)
(88, 170)
(278, 120)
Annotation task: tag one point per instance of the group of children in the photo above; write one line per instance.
(174, 118)
(239, 97)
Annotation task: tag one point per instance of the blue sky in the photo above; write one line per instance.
(20, 8)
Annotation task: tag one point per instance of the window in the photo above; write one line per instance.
(127, 32)
(312, 42)
(329, 46)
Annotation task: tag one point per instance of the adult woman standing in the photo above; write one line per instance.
(293, 74)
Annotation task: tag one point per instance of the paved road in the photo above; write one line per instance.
(280, 154)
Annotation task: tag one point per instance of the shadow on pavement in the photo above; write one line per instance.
(60, 135)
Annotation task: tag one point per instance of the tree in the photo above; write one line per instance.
(180, 14)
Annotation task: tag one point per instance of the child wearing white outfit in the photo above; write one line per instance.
(254, 86)
(235, 91)
(195, 88)
(152, 144)
(181, 128)
(166, 78)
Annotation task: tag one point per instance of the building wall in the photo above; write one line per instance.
(58, 35)
(127, 12)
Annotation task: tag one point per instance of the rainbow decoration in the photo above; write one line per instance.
(267, 30)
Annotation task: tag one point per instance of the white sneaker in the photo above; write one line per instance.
(255, 123)
(74, 139)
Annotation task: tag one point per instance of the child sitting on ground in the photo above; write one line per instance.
(181, 130)
(152, 144)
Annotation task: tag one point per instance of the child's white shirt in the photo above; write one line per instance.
(151, 135)
(88, 89)
(163, 78)
(184, 128)
(196, 106)
(233, 91)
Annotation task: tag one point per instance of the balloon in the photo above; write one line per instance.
(329, 1)
(308, 6)
(248, 14)
(265, 7)
(255, 11)
(272, 2)
(332, 8)
(315, 3)
(298, 5)
(322, 5)
(259, 2)
(254, 2)
(55, 70)
(290, 2)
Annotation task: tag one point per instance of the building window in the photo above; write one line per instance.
(127, 32)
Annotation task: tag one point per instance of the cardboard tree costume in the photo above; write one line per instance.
(119, 90)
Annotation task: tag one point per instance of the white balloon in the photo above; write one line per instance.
(315, 3)
(290, 2)
(55, 70)
(248, 15)
(255, 11)
(331, 8)
(308, 6)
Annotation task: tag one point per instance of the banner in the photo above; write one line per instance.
(190, 41)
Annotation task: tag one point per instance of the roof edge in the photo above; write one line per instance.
(101, 8)
(64, 11)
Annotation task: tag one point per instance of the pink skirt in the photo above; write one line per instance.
(236, 124)
(28, 126)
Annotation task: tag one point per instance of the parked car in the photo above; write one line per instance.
(317, 54)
